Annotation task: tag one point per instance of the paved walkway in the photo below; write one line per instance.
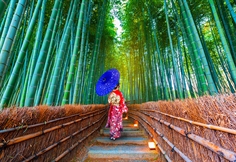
(131, 147)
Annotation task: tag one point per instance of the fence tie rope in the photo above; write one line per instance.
(69, 150)
(169, 126)
(186, 134)
(35, 156)
(3, 146)
(162, 135)
(173, 149)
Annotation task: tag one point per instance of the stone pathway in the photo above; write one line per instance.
(131, 147)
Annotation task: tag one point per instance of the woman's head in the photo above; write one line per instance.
(117, 86)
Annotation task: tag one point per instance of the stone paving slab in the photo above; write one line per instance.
(127, 121)
(123, 152)
(128, 124)
(124, 133)
(132, 146)
(123, 140)
(119, 160)
(126, 128)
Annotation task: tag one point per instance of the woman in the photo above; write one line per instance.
(117, 108)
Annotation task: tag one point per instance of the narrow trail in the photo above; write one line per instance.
(132, 146)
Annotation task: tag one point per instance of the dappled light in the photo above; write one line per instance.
(164, 50)
(174, 62)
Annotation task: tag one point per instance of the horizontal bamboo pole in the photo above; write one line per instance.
(227, 154)
(184, 157)
(46, 123)
(76, 144)
(59, 142)
(157, 144)
(33, 135)
(213, 127)
(163, 152)
(173, 148)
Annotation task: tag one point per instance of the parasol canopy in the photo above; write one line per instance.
(107, 82)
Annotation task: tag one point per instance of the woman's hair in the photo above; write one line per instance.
(118, 84)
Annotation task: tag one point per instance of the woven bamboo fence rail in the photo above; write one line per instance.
(48, 133)
(196, 130)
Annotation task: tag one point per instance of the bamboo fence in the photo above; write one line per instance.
(48, 133)
(202, 129)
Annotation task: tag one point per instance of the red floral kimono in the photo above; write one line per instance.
(117, 108)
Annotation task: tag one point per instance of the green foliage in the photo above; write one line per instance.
(143, 53)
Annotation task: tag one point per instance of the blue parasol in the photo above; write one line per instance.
(107, 82)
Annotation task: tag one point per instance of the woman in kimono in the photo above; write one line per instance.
(117, 108)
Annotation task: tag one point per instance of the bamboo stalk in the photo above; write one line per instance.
(59, 142)
(213, 127)
(46, 123)
(33, 135)
(227, 154)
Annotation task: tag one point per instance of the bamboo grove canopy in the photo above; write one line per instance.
(53, 52)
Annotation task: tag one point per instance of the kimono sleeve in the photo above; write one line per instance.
(123, 105)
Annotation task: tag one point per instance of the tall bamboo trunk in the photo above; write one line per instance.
(20, 58)
(224, 42)
(41, 58)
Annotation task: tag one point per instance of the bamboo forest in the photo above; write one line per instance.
(117, 80)
(53, 52)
